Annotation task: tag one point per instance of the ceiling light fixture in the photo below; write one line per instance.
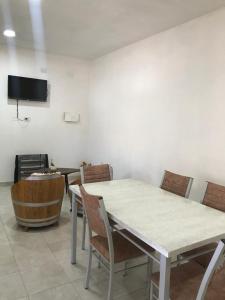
(9, 33)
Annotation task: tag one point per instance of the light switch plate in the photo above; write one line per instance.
(71, 117)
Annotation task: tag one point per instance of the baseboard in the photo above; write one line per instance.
(7, 183)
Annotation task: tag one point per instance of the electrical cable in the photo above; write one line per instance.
(17, 112)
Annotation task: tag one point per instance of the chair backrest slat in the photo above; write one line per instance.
(215, 196)
(177, 184)
(96, 173)
(92, 209)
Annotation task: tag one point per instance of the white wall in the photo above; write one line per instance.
(160, 104)
(46, 132)
(157, 104)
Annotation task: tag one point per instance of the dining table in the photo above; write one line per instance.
(169, 223)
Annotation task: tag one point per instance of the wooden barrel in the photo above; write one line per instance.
(37, 200)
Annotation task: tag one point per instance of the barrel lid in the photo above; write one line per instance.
(43, 176)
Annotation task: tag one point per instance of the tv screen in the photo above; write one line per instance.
(22, 88)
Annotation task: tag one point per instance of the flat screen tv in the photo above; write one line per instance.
(22, 88)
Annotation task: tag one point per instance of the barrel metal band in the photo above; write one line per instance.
(41, 224)
(38, 220)
(44, 204)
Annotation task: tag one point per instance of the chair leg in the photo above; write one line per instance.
(178, 260)
(151, 291)
(111, 274)
(149, 277)
(154, 292)
(84, 232)
(89, 268)
(70, 204)
(99, 262)
(125, 269)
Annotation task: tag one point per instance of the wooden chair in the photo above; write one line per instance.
(110, 245)
(177, 184)
(214, 197)
(37, 200)
(190, 281)
(96, 173)
(91, 174)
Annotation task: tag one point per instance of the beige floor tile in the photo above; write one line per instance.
(7, 261)
(32, 255)
(64, 292)
(78, 271)
(5, 196)
(5, 253)
(5, 202)
(62, 255)
(43, 258)
(137, 295)
(41, 278)
(98, 291)
(56, 234)
(7, 217)
(63, 252)
(135, 279)
(16, 233)
(74, 272)
(7, 211)
(58, 246)
(11, 287)
(8, 268)
(119, 290)
(61, 245)
(3, 235)
(95, 292)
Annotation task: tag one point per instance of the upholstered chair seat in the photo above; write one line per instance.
(123, 249)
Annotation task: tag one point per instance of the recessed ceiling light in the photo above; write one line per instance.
(9, 33)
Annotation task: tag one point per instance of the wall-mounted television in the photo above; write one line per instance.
(23, 88)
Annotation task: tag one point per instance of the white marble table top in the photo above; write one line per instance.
(169, 223)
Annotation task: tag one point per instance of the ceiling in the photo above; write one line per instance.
(91, 28)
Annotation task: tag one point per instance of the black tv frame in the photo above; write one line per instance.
(44, 82)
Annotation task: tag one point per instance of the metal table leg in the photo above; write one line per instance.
(164, 283)
(74, 229)
(66, 183)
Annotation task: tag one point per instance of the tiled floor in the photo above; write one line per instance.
(35, 264)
